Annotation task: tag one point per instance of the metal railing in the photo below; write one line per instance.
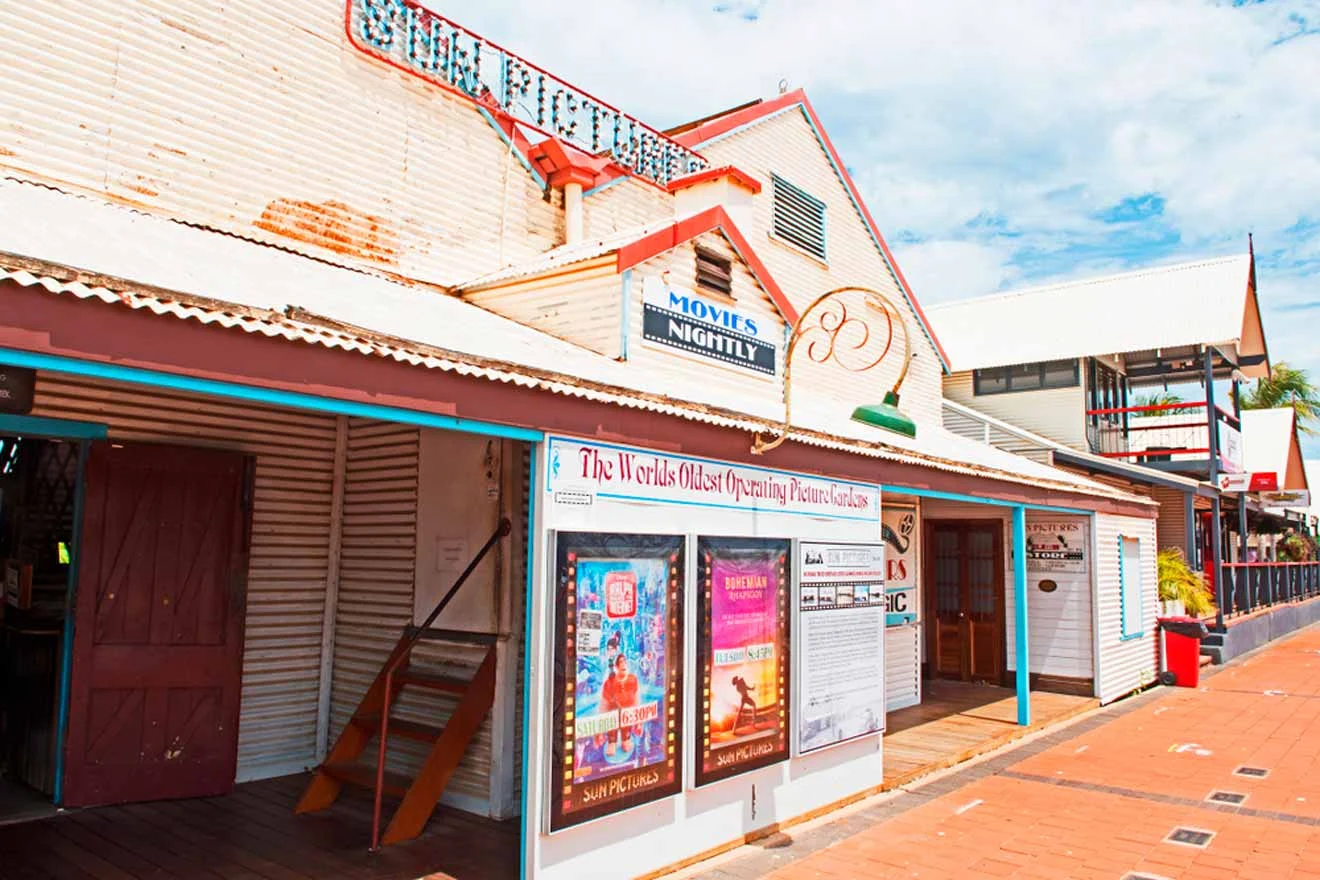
(1172, 432)
(1249, 586)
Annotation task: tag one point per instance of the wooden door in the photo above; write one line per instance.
(158, 639)
(965, 600)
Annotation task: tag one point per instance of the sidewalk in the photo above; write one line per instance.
(1102, 797)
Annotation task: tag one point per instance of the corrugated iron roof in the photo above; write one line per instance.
(142, 262)
(1198, 303)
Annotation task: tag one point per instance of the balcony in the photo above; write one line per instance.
(1168, 437)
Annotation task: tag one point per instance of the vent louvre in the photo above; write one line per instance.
(714, 272)
(799, 217)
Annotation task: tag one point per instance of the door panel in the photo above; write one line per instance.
(965, 573)
(158, 644)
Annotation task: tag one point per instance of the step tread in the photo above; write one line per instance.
(427, 733)
(364, 776)
(460, 636)
(435, 680)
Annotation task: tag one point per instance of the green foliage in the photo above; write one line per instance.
(1287, 386)
(1161, 398)
(1179, 581)
(1296, 548)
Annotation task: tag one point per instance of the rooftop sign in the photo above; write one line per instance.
(409, 36)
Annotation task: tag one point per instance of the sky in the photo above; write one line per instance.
(1000, 144)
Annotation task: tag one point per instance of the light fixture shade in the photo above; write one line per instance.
(886, 415)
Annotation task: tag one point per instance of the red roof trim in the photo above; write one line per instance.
(711, 219)
(749, 115)
(740, 177)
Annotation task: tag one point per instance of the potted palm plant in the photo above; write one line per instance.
(1182, 590)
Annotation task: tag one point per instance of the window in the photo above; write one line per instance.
(714, 273)
(1130, 592)
(1026, 377)
(799, 217)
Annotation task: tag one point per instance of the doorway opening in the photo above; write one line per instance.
(38, 502)
(965, 601)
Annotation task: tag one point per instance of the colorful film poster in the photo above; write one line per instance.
(743, 655)
(618, 673)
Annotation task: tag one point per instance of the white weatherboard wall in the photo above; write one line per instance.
(649, 837)
(1059, 623)
(1056, 413)
(1124, 664)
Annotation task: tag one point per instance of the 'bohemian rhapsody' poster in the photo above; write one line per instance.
(743, 648)
(618, 673)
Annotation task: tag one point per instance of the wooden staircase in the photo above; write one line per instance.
(372, 720)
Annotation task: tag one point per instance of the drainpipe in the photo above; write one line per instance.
(572, 212)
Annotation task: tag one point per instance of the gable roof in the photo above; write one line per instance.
(696, 135)
(1270, 445)
(1207, 302)
(639, 244)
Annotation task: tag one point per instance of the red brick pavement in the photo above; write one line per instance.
(1100, 804)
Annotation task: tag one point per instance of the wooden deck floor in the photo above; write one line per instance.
(957, 721)
(251, 834)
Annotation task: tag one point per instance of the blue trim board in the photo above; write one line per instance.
(1124, 635)
(1023, 669)
(37, 426)
(508, 142)
(70, 601)
(524, 820)
(255, 394)
(989, 502)
(625, 313)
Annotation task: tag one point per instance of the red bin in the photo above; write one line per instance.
(1182, 650)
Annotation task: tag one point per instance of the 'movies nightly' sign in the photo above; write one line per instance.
(678, 318)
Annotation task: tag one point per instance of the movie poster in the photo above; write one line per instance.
(743, 655)
(618, 673)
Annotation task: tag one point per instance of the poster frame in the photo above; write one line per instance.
(799, 658)
(612, 544)
(703, 656)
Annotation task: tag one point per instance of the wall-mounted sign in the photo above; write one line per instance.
(675, 317)
(581, 471)
(17, 389)
(407, 35)
(1056, 545)
(1230, 447)
(1259, 481)
(1286, 498)
(618, 673)
(742, 655)
(840, 653)
(898, 530)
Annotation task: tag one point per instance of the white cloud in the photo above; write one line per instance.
(955, 269)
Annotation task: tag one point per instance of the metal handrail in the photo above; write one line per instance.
(403, 654)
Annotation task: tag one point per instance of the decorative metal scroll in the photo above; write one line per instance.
(832, 333)
(411, 37)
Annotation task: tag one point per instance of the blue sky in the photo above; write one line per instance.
(1004, 143)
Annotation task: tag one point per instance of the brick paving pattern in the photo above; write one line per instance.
(1100, 799)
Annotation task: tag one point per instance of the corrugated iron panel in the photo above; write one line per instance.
(902, 667)
(1171, 526)
(377, 569)
(1124, 666)
(217, 113)
(290, 543)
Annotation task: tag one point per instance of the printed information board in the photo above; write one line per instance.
(618, 673)
(840, 683)
(742, 648)
(1058, 546)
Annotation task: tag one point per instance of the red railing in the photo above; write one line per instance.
(1168, 432)
(1252, 585)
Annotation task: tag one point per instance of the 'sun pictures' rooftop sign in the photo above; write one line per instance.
(411, 37)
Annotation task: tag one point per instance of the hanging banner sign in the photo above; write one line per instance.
(742, 655)
(618, 673)
(1260, 481)
(1058, 546)
(678, 318)
(581, 471)
(1300, 498)
(409, 36)
(840, 655)
(898, 530)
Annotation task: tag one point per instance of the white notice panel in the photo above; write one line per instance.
(839, 649)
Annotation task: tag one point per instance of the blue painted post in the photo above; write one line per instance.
(1020, 614)
(525, 818)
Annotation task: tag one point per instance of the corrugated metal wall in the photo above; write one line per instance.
(1124, 665)
(290, 542)
(902, 667)
(1172, 524)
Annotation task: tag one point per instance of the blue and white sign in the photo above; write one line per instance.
(676, 317)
